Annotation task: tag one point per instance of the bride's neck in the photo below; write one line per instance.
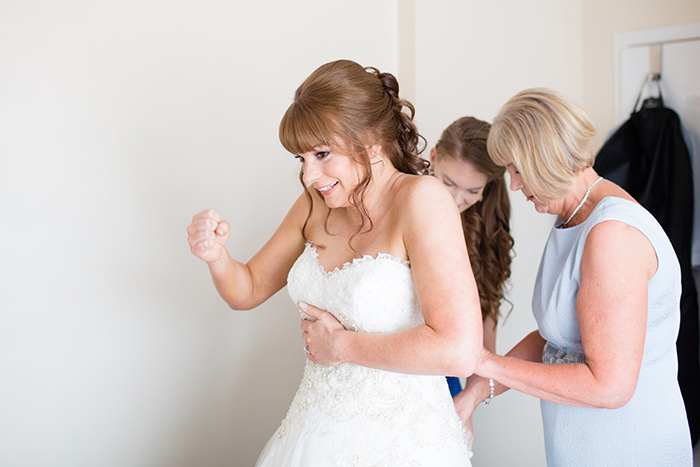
(377, 199)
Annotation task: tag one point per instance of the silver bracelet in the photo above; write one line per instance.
(487, 401)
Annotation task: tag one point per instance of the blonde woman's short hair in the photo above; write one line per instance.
(547, 136)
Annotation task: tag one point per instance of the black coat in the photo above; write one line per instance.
(648, 157)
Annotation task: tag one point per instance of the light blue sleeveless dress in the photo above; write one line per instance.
(651, 429)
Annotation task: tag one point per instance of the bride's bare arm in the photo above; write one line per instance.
(450, 341)
(246, 285)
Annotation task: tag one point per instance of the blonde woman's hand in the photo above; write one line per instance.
(207, 235)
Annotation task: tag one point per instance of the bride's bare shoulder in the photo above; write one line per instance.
(421, 190)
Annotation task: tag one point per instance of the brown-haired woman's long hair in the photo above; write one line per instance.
(344, 105)
(486, 223)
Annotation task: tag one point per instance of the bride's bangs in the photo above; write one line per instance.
(301, 131)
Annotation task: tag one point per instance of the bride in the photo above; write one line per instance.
(381, 248)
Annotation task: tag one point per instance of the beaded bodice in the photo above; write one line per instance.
(376, 417)
(368, 294)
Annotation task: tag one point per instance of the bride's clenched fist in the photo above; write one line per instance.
(207, 235)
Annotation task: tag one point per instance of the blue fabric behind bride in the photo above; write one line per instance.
(455, 385)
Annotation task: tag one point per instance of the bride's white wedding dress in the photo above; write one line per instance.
(349, 415)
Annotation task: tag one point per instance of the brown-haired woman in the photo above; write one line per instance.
(461, 161)
(345, 246)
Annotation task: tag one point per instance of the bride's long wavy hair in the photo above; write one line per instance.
(486, 224)
(343, 102)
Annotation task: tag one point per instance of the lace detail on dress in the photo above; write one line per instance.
(552, 354)
(368, 294)
(373, 417)
(355, 261)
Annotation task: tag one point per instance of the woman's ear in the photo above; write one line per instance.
(374, 151)
(433, 156)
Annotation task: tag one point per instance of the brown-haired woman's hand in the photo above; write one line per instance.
(321, 334)
(207, 235)
(476, 390)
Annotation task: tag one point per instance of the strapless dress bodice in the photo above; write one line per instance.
(350, 415)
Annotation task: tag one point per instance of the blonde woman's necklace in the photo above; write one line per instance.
(585, 197)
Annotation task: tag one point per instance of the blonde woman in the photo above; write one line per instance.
(606, 300)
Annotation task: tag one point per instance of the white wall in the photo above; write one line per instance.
(119, 121)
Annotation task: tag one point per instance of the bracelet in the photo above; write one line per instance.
(487, 401)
